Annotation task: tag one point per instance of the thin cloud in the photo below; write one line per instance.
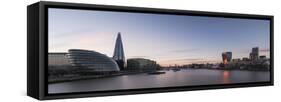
(248, 50)
(183, 60)
(138, 56)
(185, 50)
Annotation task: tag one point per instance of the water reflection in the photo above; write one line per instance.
(188, 77)
(226, 77)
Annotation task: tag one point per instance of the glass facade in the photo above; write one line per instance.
(58, 59)
(118, 54)
(92, 60)
(141, 64)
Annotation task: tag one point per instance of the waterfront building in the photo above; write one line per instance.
(254, 55)
(245, 59)
(236, 60)
(118, 54)
(58, 59)
(92, 60)
(226, 57)
(141, 64)
(58, 64)
(262, 57)
(224, 61)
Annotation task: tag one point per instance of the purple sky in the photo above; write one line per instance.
(168, 39)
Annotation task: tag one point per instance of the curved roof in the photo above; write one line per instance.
(92, 59)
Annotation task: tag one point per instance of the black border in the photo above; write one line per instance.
(43, 16)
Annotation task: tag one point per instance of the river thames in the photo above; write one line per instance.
(184, 77)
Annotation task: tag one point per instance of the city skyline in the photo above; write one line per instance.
(167, 39)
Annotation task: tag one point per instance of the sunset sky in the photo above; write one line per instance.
(167, 39)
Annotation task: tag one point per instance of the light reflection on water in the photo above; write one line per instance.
(188, 77)
(226, 77)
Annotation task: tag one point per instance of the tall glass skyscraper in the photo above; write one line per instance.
(226, 57)
(118, 55)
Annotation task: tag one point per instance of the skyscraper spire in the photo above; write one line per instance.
(118, 55)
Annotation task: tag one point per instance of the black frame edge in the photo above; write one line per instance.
(32, 50)
(154, 10)
(272, 50)
(41, 88)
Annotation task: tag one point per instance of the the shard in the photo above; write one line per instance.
(118, 55)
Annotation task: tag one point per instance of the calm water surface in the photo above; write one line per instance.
(188, 77)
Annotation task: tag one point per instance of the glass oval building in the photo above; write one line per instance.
(92, 60)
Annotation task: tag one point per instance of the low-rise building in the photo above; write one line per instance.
(141, 64)
(58, 59)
